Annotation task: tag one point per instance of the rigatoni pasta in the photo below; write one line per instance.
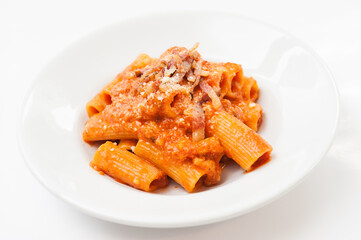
(128, 168)
(244, 146)
(188, 175)
(103, 98)
(176, 116)
(98, 130)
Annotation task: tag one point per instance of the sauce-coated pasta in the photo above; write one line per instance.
(180, 114)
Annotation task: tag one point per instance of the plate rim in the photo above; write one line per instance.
(174, 223)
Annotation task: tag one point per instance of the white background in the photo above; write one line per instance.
(326, 205)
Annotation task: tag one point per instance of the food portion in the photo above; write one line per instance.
(178, 116)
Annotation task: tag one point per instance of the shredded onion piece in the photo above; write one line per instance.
(195, 46)
(170, 71)
(211, 93)
(198, 124)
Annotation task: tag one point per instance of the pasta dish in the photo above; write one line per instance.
(177, 116)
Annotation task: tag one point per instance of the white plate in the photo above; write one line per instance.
(298, 95)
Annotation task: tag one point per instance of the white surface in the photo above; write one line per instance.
(325, 206)
(294, 87)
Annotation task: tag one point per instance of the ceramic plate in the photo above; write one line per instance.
(297, 93)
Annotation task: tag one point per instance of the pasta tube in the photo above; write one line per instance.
(98, 130)
(126, 167)
(103, 98)
(186, 174)
(240, 142)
